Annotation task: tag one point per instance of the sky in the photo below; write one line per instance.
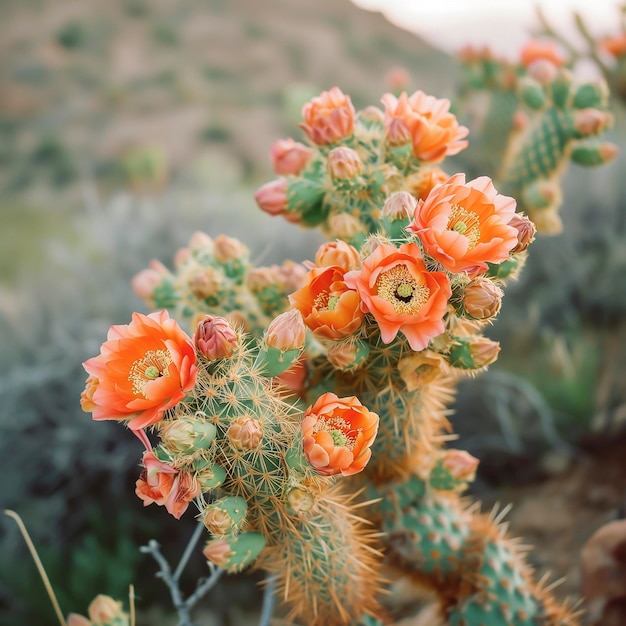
(502, 24)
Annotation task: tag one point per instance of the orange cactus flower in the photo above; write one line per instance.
(328, 307)
(401, 294)
(337, 435)
(536, 50)
(425, 121)
(161, 484)
(328, 118)
(337, 253)
(465, 225)
(143, 369)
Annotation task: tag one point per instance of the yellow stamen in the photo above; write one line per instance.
(155, 363)
(466, 223)
(401, 288)
(339, 430)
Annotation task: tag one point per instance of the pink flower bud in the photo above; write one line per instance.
(591, 121)
(272, 197)
(259, 278)
(229, 249)
(526, 232)
(181, 257)
(344, 163)
(218, 552)
(215, 338)
(245, 433)
(286, 332)
(200, 241)
(145, 282)
(337, 253)
(292, 275)
(400, 205)
(482, 298)
(461, 464)
(289, 156)
(371, 114)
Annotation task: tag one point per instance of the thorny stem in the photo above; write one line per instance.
(183, 607)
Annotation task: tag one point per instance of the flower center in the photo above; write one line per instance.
(343, 435)
(466, 223)
(325, 302)
(400, 287)
(152, 365)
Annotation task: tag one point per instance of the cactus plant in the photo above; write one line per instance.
(348, 377)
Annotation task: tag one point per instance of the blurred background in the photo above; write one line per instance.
(127, 125)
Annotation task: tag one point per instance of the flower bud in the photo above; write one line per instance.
(229, 249)
(215, 338)
(543, 71)
(245, 433)
(260, 278)
(209, 476)
(397, 79)
(74, 619)
(460, 464)
(484, 351)
(547, 222)
(181, 257)
(186, 434)
(372, 242)
(345, 226)
(225, 515)
(591, 121)
(289, 157)
(526, 232)
(348, 355)
(344, 163)
(272, 197)
(400, 205)
(300, 500)
(218, 552)
(104, 609)
(145, 282)
(337, 253)
(328, 117)
(200, 241)
(371, 114)
(286, 331)
(86, 397)
(205, 283)
(482, 298)
(292, 275)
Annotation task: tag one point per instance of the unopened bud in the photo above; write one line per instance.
(245, 433)
(548, 222)
(186, 434)
(104, 609)
(205, 283)
(421, 368)
(229, 249)
(344, 163)
(484, 351)
(526, 232)
(200, 241)
(286, 331)
(218, 552)
(337, 253)
(345, 226)
(289, 157)
(73, 619)
(371, 244)
(181, 257)
(400, 205)
(460, 464)
(272, 197)
(371, 114)
(215, 338)
(482, 298)
(225, 515)
(145, 282)
(591, 121)
(348, 355)
(260, 278)
(543, 71)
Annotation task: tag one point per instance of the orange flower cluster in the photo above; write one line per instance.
(426, 122)
(143, 369)
(337, 435)
(464, 226)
